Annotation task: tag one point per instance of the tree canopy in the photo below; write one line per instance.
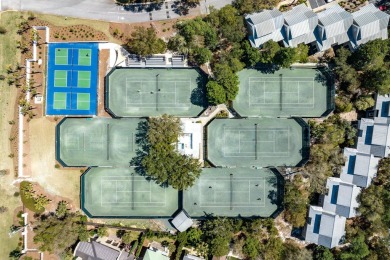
(144, 41)
(56, 235)
(161, 161)
(296, 200)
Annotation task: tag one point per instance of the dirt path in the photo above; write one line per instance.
(65, 183)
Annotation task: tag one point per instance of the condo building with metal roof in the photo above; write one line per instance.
(333, 26)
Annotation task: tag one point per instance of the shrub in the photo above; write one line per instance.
(3, 30)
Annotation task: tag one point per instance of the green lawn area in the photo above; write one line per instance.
(28, 202)
(8, 56)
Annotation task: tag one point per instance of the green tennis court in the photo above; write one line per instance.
(83, 101)
(59, 100)
(152, 92)
(120, 192)
(97, 141)
(84, 57)
(83, 79)
(234, 192)
(254, 142)
(287, 92)
(60, 78)
(61, 56)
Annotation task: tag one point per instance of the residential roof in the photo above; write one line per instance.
(95, 251)
(335, 20)
(359, 168)
(324, 228)
(301, 20)
(192, 257)
(182, 222)
(265, 22)
(382, 105)
(370, 20)
(154, 255)
(341, 198)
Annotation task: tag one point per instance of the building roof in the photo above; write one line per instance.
(95, 251)
(191, 138)
(335, 21)
(300, 20)
(359, 168)
(182, 222)
(154, 255)
(265, 22)
(324, 228)
(382, 105)
(192, 257)
(370, 20)
(341, 198)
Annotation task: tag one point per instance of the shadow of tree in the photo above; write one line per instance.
(143, 147)
(267, 68)
(198, 95)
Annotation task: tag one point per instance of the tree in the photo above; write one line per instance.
(251, 6)
(56, 235)
(227, 79)
(160, 161)
(62, 209)
(218, 233)
(377, 80)
(194, 236)
(215, 93)
(251, 247)
(202, 55)
(293, 251)
(177, 43)
(268, 51)
(357, 250)
(370, 55)
(102, 231)
(144, 42)
(126, 238)
(296, 201)
(251, 55)
(364, 102)
(322, 253)
(302, 52)
(285, 57)
(41, 201)
(383, 174)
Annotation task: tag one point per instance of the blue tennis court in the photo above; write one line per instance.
(72, 73)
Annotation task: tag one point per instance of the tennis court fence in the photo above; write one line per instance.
(305, 151)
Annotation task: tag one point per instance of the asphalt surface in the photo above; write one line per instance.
(107, 10)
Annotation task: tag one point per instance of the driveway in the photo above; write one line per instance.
(107, 10)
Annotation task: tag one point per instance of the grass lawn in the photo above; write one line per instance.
(28, 202)
(8, 56)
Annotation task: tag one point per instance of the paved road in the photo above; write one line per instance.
(104, 9)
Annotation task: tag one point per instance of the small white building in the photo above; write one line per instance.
(324, 228)
(182, 221)
(374, 137)
(341, 198)
(190, 141)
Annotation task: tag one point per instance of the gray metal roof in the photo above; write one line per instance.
(95, 251)
(371, 21)
(182, 222)
(335, 20)
(382, 104)
(265, 22)
(380, 135)
(331, 230)
(192, 257)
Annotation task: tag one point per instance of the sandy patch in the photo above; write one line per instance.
(58, 182)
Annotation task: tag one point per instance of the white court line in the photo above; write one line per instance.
(307, 105)
(128, 179)
(207, 181)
